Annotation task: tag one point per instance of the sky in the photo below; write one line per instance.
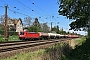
(44, 10)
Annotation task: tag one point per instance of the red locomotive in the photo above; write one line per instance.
(29, 35)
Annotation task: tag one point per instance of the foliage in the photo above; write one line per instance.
(1, 24)
(12, 33)
(13, 38)
(44, 27)
(56, 29)
(89, 33)
(1, 29)
(56, 51)
(81, 52)
(2, 39)
(36, 23)
(2, 19)
(10, 38)
(27, 56)
(34, 29)
(77, 10)
(62, 32)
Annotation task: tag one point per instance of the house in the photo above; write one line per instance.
(15, 25)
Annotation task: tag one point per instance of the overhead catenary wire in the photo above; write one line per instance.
(12, 6)
(15, 11)
(27, 7)
(18, 9)
(6, 3)
(37, 6)
(1, 6)
(18, 12)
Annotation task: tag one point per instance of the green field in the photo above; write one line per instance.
(10, 38)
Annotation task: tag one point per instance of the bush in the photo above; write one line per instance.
(12, 33)
(1, 32)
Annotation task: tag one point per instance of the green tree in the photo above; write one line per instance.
(62, 32)
(1, 29)
(2, 24)
(2, 19)
(44, 27)
(34, 29)
(36, 23)
(56, 29)
(77, 10)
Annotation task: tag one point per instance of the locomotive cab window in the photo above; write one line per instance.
(21, 33)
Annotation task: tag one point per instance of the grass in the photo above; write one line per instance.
(2, 39)
(27, 56)
(11, 38)
(80, 41)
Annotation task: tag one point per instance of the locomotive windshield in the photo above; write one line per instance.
(21, 33)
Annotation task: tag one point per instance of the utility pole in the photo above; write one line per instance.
(51, 26)
(6, 24)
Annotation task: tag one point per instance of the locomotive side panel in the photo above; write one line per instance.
(32, 35)
(29, 35)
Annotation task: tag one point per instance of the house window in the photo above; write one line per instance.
(18, 27)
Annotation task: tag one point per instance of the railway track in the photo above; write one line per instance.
(15, 46)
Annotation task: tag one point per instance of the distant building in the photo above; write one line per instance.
(15, 24)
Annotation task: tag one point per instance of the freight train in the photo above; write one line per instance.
(24, 35)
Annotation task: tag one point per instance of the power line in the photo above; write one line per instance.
(26, 6)
(15, 11)
(40, 9)
(1, 6)
(37, 6)
(19, 9)
(12, 5)
(18, 12)
(5, 3)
